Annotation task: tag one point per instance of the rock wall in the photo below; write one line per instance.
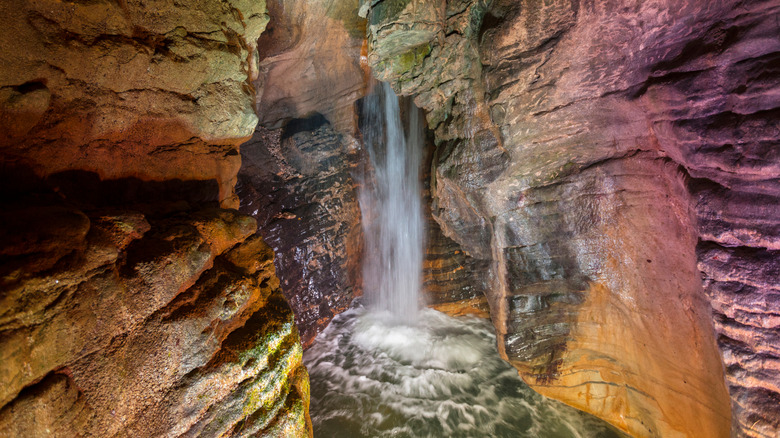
(298, 183)
(150, 90)
(114, 322)
(297, 174)
(453, 281)
(310, 63)
(133, 300)
(601, 156)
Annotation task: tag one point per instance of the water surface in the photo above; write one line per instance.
(441, 377)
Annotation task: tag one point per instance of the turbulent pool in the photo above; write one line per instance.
(441, 377)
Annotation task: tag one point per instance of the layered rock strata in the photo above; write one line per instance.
(152, 90)
(131, 303)
(599, 156)
(725, 101)
(298, 183)
(453, 281)
(115, 322)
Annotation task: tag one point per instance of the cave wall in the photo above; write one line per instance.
(319, 45)
(298, 167)
(603, 157)
(611, 167)
(298, 182)
(133, 299)
(301, 168)
(150, 90)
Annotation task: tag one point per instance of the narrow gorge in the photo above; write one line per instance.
(184, 214)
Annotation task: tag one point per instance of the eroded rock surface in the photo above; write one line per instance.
(310, 63)
(149, 326)
(454, 282)
(150, 90)
(131, 304)
(298, 183)
(599, 156)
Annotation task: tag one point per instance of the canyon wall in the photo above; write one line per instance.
(135, 300)
(297, 177)
(301, 168)
(603, 158)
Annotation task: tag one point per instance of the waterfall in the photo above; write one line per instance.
(418, 373)
(391, 204)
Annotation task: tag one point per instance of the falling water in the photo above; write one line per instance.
(392, 206)
(393, 370)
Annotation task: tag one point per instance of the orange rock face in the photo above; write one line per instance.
(153, 91)
(130, 302)
(148, 326)
(594, 154)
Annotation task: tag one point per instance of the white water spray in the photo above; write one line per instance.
(431, 375)
(392, 206)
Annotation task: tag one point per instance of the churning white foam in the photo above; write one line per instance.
(442, 377)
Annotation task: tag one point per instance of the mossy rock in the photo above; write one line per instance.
(387, 10)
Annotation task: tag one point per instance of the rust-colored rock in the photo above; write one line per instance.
(454, 282)
(150, 90)
(147, 328)
(130, 303)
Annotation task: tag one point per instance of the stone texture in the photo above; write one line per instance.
(310, 63)
(149, 326)
(298, 183)
(599, 155)
(454, 282)
(151, 90)
(131, 304)
(296, 178)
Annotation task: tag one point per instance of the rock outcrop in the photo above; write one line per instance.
(114, 322)
(133, 300)
(601, 156)
(150, 90)
(298, 183)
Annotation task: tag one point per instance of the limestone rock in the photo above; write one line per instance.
(149, 327)
(454, 282)
(599, 155)
(152, 90)
(130, 303)
(298, 183)
(310, 63)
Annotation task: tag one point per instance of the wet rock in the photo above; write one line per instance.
(454, 281)
(298, 183)
(591, 152)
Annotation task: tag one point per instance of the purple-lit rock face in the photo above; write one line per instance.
(603, 157)
(605, 183)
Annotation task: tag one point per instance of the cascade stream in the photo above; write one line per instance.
(391, 369)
